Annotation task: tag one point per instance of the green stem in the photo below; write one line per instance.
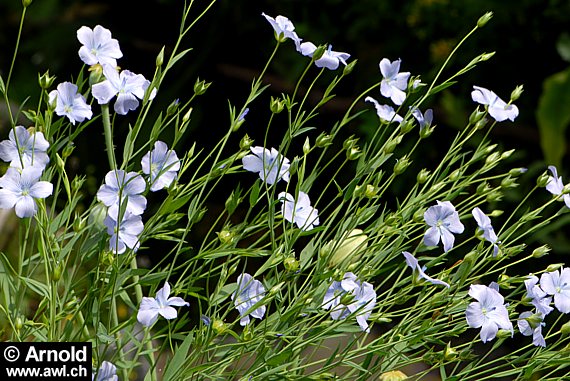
(108, 136)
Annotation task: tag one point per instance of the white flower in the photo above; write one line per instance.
(489, 312)
(540, 299)
(443, 221)
(394, 83)
(283, 28)
(424, 120)
(299, 211)
(385, 113)
(162, 165)
(557, 283)
(330, 59)
(248, 293)
(556, 186)
(270, 164)
(23, 148)
(124, 233)
(415, 265)
(69, 103)
(120, 188)
(162, 305)
(527, 329)
(21, 188)
(361, 300)
(98, 46)
(484, 224)
(127, 86)
(106, 372)
(497, 108)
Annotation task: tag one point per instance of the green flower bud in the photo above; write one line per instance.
(96, 74)
(226, 237)
(318, 53)
(449, 354)
(200, 87)
(68, 150)
(422, 176)
(349, 143)
(393, 375)
(26, 3)
(19, 323)
(348, 249)
(476, 116)
(504, 281)
(45, 80)
(418, 216)
(56, 275)
(353, 153)
(484, 19)
(483, 188)
(291, 264)
(494, 195)
(517, 171)
(97, 216)
(426, 132)
(186, 117)
(496, 213)
(492, 159)
(541, 251)
(245, 143)
(507, 154)
(486, 56)
(508, 182)
(406, 126)
(504, 334)
(565, 329)
(517, 93)
(306, 146)
(219, 327)
(78, 223)
(323, 140)
(160, 58)
(348, 68)
(276, 105)
(370, 191)
(481, 124)
(542, 180)
(401, 165)
(172, 107)
(392, 144)
(247, 334)
(455, 175)
(275, 289)
(553, 267)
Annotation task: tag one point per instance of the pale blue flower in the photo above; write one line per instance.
(385, 113)
(120, 188)
(23, 149)
(443, 221)
(21, 188)
(161, 305)
(489, 312)
(556, 186)
(414, 264)
(248, 293)
(243, 114)
(98, 46)
(557, 283)
(283, 29)
(497, 108)
(129, 88)
(540, 299)
(162, 165)
(124, 234)
(269, 164)
(361, 295)
(299, 211)
(528, 329)
(70, 103)
(394, 83)
(484, 224)
(106, 372)
(424, 120)
(330, 59)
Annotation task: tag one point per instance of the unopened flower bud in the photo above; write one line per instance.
(349, 249)
(56, 275)
(291, 264)
(496, 213)
(160, 58)
(507, 154)
(508, 182)
(245, 143)
(349, 143)
(79, 223)
(348, 68)
(483, 188)
(219, 327)
(323, 140)
(172, 107)
(200, 87)
(542, 180)
(68, 150)
(275, 289)
(553, 267)
(517, 171)
(517, 93)
(486, 56)
(247, 333)
(45, 80)
(393, 375)
(406, 126)
(318, 53)
(19, 323)
(226, 237)
(504, 334)
(449, 353)
(504, 281)
(276, 105)
(492, 159)
(494, 195)
(481, 124)
(186, 117)
(401, 165)
(455, 175)
(422, 176)
(370, 191)
(418, 215)
(26, 3)
(565, 329)
(392, 144)
(484, 19)
(353, 153)
(96, 74)
(476, 116)
(306, 146)
(541, 251)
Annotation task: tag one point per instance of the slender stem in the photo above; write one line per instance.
(108, 136)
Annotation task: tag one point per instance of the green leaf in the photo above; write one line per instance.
(2, 86)
(176, 364)
(553, 117)
(223, 294)
(254, 194)
(36, 286)
(178, 57)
